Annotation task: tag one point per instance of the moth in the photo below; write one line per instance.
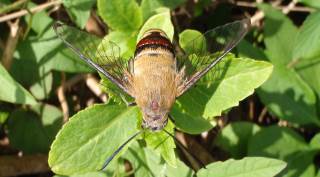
(157, 74)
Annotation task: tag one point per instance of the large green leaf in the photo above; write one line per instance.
(42, 88)
(279, 33)
(288, 97)
(13, 92)
(232, 80)
(122, 15)
(90, 137)
(163, 143)
(33, 132)
(192, 41)
(283, 143)
(234, 138)
(308, 40)
(161, 21)
(79, 10)
(247, 167)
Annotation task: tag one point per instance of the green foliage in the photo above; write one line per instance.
(90, 137)
(13, 92)
(247, 167)
(121, 15)
(282, 56)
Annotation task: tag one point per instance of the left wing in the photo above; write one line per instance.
(103, 56)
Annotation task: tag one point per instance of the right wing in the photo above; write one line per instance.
(104, 58)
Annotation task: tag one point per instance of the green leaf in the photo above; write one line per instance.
(33, 132)
(307, 70)
(288, 97)
(247, 167)
(279, 32)
(311, 3)
(159, 21)
(285, 144)
(90, 137)
(39, 21)
(163, 143)
(188, 122)
(122, 15)
(315, 141)
(181, 170)
(42, 88)
(145, 162)
(13, 92)
(246, 49)
(232, 80)
(307, 42)
(192, 41)
(79, 10)
(148, 163)
(149, 7)
(234, 138)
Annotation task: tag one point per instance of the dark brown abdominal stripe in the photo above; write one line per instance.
(154, 41)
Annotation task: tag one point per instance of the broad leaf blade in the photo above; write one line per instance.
(247, 167)
(90, 137)
(121, 15)
(13, 92)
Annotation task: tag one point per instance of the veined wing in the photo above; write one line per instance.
(205, 51)
(104, 56)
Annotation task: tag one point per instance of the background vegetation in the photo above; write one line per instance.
(273, 129)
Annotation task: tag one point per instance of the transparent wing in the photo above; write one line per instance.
(104, 56)
(204, 51)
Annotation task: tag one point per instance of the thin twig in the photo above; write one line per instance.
(262, 114)
(32, 10)
(61, 96)
(11, 43)
(94, 86)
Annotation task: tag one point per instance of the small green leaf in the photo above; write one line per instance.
(79, 10)
(163, 143)
(33, 132)
(90, 137)
(247, 167)
(288, 97)
(234, 138)
(192, 41)
(13, 92)
(308, 40)
(315, 141)
(279, 34)
(122, 15)
(159, 21)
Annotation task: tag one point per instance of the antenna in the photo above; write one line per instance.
(119, 149)
(185, 149)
